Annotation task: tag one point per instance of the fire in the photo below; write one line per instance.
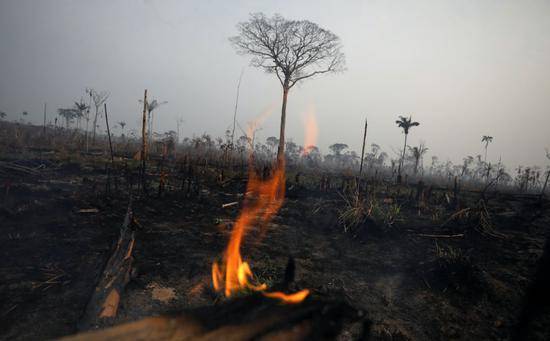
(311, 130)
(263, 199)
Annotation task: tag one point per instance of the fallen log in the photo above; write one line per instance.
(103, 305)
(253, 317)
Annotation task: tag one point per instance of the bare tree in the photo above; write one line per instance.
(99, 98)
(293, 50)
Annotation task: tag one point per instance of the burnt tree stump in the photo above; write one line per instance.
(103, 304)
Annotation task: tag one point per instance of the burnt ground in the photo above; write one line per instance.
(411, 286)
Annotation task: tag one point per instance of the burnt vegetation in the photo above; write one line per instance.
(106, 225)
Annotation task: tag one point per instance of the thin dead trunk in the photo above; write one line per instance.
(363, 149)
(44, 127)
(95, 124)
(88, 121)
(545, 183)
(235, 112)
(143, 139)
(109, 135)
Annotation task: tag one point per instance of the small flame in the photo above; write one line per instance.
(263, 199)
(289, 298)
(311, 130)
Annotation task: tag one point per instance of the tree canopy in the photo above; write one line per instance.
(291, 49)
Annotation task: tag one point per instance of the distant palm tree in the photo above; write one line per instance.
(406, 124)
(2, 115)
(68, 115)
(417, 154)
(122, 124)
(487, 139)
(24, 114)
(80, 107)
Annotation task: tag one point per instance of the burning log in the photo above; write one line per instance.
(243, 318)
(103, 305)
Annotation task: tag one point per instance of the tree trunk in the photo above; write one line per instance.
(235, 113)
(109, 135)
(95, 125)
(103, 305)
(363, 148)
(44, 127)
(245, 318)
(545, 183)
(143, 140)
(150, 146)
(281, 149)
(402, 160)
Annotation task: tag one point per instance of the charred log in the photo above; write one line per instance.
(103, 305)
(253, 317)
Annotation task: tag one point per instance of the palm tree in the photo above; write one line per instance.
(24, 114)
(68, 115)
(487, 139)
(418, 154)
(122, 124)
(80, 107)
(2, 115)
(406, 124)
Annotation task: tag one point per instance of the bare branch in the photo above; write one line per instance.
(293, 50)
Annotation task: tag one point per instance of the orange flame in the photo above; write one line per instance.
(262, 201)
(311, 130)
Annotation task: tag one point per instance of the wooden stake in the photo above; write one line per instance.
(109, 134)
(363, 149)
(143, 141)
(44, 127)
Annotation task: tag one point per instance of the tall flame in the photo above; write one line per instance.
(263, 199)
(311, 130)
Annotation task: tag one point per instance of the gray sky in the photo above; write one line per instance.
(461, 68)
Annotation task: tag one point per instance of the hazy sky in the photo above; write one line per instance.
(461, 68)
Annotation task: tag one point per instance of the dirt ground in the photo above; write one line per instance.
(58, 229)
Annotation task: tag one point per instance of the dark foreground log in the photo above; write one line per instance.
(248, 318)
(103, 305)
